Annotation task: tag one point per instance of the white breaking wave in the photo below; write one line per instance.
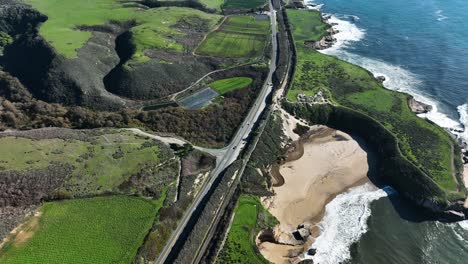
(463, 224)
(347, 33)
(440, 16)
(344, 222)
(311, 5)
(397, 78)
(458, 235)
(463, 111)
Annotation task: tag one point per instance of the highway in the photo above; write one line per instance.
(229, 154)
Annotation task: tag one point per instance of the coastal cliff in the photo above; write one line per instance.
(418, 158)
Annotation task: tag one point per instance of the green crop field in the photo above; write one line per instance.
(239, 36)
(243, 4)
(226, 85)
(154, 29)
(250, 217)
(426, 145)
(92, 230)
(101, 163)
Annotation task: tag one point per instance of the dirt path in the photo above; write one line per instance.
(23, 232)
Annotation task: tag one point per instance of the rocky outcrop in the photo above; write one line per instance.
(320, 97)
(381, 78)
(325, 42)
(418, 107)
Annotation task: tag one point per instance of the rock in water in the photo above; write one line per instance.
(418, 107)
(312, 251)
(381, 78)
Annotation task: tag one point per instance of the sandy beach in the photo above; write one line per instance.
(332, 162)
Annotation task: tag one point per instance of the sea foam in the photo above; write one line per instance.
(344, 222)
(347, 33)
(463, 224)
(311, 5)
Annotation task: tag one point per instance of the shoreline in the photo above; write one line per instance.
(320, 165)
(286, 249)
(420, 104)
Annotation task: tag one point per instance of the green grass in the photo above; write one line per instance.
(238, 37)
(243, 4)
(250, 217)
(426, 145)
(154, 30)
(213, 4)
(101, 163)
(227, 85)
(93, 230)
(307, 25)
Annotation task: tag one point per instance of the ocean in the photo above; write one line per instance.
(421, 47)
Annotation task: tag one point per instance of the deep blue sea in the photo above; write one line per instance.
(421, 47)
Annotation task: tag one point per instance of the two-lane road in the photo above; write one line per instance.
(232, 151)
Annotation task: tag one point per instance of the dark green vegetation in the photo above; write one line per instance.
(93, 230)
(419, 155)
(211, 126)
(250, 217)
(237, 37)
(230, 84)
(215, 124)
(243, 4)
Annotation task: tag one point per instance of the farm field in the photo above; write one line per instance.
(238, 37)
(92, 230)
(243, 4)
(155, 27)
(101, 162)
(426, 145)
(250, 217)
(230, 84)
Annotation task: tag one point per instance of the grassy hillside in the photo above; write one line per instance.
(238, 36)
(250, 217)
(226, 85)
(154, 27)
(424, 144)
(100, 163)
(93, 230)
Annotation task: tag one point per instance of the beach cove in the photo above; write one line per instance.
(320, 165)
